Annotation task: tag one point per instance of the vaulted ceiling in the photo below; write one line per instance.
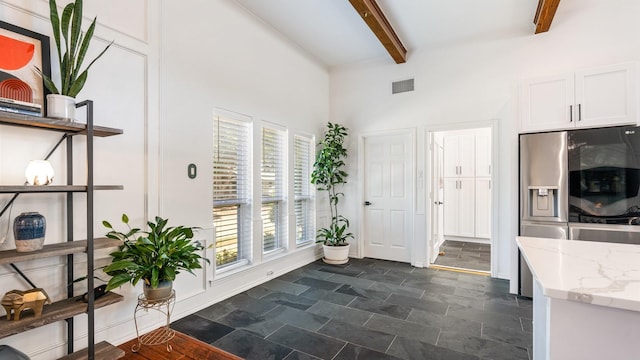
(334, 33)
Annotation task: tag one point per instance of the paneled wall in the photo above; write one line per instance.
(169, 67)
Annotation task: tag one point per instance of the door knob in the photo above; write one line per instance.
(438, 203)
(367, 203)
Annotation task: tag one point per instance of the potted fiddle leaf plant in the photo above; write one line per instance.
(155, 256)
(72, 46)
(328, 173)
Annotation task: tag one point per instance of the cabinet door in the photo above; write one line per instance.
(483, 208)
(547, 103)
(606, 96)
(466, 155)
(451, 211)
(466, 207)
(450, 147)
(483, 155)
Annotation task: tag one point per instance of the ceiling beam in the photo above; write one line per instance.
(544, 15)
(382, 29)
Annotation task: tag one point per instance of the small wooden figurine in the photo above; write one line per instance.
(17, 300)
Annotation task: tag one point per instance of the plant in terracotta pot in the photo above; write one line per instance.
(72, 45)
(155, 256)
(328, 173)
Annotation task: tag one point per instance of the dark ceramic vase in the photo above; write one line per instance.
(28, 231)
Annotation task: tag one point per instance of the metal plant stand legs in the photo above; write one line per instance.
(161, 335)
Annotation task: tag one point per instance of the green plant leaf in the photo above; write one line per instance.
(77, 85)
(76, 28)
(55, 25)
(118, 281)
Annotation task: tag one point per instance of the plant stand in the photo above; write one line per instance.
(161, 335)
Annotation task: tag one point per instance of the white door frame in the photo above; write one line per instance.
(495, 204)
(361, 189)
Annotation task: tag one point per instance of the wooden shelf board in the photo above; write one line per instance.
(59, 249)
(102, 350)
(9, 189)
(57, 311)
(55, 125)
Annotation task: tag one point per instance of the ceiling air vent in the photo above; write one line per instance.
(401, 86)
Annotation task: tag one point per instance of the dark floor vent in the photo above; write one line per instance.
(401, 86)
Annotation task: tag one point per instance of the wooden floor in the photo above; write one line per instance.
(183, 348)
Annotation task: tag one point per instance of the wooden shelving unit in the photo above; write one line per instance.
(72, 306)
(26, 189)
(35, 122)
(59, 249)
(57, 311)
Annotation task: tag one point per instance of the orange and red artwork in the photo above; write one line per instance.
(21, 52)
(15, 53)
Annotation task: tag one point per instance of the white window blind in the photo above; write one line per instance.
(231, 190)
(303, 202)
(273, 210)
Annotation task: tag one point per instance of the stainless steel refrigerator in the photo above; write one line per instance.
(581, 184)
(543, 192)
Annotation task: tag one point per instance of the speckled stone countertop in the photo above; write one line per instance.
(598, 273)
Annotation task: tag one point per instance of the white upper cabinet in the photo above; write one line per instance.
(601, 96)
(459, 156)
(607, 96)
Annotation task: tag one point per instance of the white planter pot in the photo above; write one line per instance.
(61, 107)
(336, 254)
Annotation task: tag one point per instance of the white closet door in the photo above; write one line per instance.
(483, 208)
(483, 155)
(451, 204)
(466, 155)
(451, 164)
(466, 207)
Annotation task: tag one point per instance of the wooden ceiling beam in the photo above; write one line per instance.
(382, 29)
(544, 15)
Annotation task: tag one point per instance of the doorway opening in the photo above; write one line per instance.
(461, 205)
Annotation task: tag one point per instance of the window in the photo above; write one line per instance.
(273, 210)
(303, 202)
(231, 190)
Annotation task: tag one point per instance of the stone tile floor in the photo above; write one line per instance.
(369, 309)
(465, 255)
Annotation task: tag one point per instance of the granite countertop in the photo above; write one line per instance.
(597, 273)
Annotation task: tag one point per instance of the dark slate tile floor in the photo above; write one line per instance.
(465, 255)
(369, 309)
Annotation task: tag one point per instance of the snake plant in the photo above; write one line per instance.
(67, 29)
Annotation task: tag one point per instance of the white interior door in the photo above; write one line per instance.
(388, 194)
(437, 205)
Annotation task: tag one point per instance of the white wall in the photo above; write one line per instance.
(220, 56)
(170, 65)
(464, 85)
